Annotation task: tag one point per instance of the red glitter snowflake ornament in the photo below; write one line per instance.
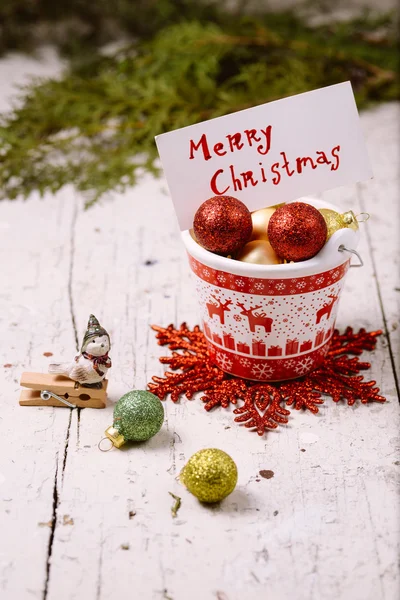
(197, 373)
(262, 406)
(261, 409)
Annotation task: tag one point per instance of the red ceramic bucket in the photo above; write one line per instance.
(270, 322)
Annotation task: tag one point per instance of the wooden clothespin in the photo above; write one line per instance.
(56, 390)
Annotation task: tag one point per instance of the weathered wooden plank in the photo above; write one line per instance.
(35, 320)
(381, 199)
(34, 317)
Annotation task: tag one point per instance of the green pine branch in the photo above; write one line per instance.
(95, 126)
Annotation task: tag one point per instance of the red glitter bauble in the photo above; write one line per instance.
(297, 231)
(223, 225)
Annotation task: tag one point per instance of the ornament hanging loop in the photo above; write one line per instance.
(343, 248)
(105, 449)
(362, 217)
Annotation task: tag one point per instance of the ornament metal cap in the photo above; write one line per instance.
(350, 219)
(115, 436)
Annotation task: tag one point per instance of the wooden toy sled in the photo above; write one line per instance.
(55, 390)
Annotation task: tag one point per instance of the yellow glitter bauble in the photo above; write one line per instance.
(210, 475)
(335, 221)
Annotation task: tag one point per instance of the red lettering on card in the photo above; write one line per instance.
(203, 145)
(213, 184)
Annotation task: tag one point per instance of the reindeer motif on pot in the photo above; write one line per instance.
(217, 308)
(256, 319)
(326, 309)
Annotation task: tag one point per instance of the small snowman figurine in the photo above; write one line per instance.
(90, 367)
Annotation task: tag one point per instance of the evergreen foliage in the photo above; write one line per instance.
(95, 126)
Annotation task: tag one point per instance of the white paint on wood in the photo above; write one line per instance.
(326, 526)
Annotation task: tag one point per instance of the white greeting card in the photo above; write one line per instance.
(268, 154)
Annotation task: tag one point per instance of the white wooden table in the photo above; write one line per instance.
(79, 524)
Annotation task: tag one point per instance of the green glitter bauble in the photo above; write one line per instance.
(210, 475)
(138, 415)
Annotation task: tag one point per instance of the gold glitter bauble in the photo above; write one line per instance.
(335, 221)
(260, 220)
(259, 252)
(210, 475)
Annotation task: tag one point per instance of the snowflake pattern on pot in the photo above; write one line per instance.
(265, 287)
(268, 329)
(304, 366)
(261, 371)
(223, 361)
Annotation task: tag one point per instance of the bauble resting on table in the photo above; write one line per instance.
(210, 475)
(138, 416)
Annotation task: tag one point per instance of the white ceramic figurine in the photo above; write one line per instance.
(90, 366)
